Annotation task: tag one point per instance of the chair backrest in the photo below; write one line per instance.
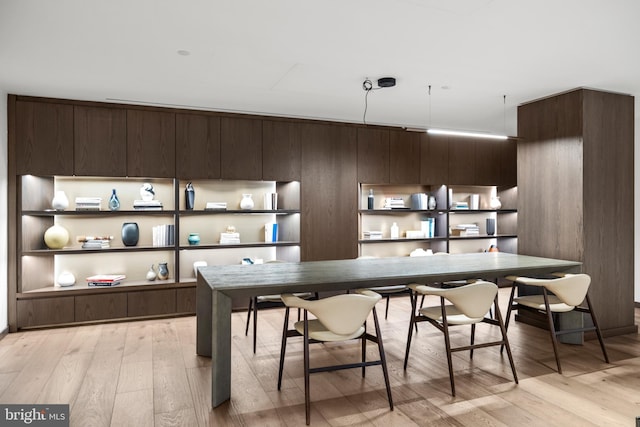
(473, 300)
(341, 314)
(570, 289)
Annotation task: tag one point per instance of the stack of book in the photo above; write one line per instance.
(394, 203)
(373, 235)
(163, 235)
(88, 203)
(105, 280)
(465, 230)
(96, 244)
(216, 206)
(271, 232)
(147, 205)
(461, 205)
(229, 238)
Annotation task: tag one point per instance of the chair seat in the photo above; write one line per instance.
(454, 316)
(389, 289)
(276, 297)
(319, 332)
(537, 302)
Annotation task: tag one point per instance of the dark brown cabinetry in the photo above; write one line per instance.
(281, 151)
(373, 155)
(241, 148)
(99, 141)
(329, 195)
(434, 159)
(151, 144)
(197, 146)
(575, 193)
(43, 138)
(404, 157)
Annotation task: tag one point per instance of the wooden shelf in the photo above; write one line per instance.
(49, 252)
(238, 245)
(125, 286)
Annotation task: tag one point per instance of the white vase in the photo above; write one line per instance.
(60, 201)
(495, 203)
(246, 202)
(66, 278)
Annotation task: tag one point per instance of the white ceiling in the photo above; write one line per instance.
(309, 58)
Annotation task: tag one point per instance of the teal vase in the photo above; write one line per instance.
(114, 202)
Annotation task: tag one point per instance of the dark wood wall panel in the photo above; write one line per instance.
(186, 300)
(434, 159)
(329, 193)
(462, 160)
(241, 148)
(404, 157)
(373, 155)
(575, 193)
(100, 141)
(151, 143)
(44, 138)
(281, 151)
(197, 146)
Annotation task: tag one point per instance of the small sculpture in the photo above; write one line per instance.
(151, 274)
(146, 192)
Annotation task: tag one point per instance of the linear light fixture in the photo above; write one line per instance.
(463, 133)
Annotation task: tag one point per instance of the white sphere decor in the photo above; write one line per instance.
(56, 237)
(66, 278)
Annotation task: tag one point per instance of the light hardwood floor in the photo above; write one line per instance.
(147, 374)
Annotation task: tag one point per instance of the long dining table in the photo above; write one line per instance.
(217, 285)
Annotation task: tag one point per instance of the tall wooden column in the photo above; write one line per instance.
(575, 193)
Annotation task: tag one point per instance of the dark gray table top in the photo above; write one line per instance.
(275, 278)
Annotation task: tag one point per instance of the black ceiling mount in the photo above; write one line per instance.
(387, 82)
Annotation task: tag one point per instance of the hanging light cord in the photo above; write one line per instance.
(367, 85)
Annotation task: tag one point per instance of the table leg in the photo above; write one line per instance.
(220, 349)
(204, 313)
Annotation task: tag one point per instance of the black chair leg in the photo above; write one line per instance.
(283, 346)
(447, 344)
(509, 308)
(383, 359)
(598, 332)
(386, 310)
(473, 336)
(255, 324)
(307, 397)
(503, 330)
(412, 324)
(364, 348)
(246, 329)
(552, 328)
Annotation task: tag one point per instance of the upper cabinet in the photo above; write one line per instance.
(44, 138)
(241, 148)
(99, 141)
(151, 143)
(197, 146)
(281, 151)
(404, 157)
(373, 155)
(434, 159)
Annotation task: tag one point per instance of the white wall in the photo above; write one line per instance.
(4, 321)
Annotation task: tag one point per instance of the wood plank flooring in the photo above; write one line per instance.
(147, 374)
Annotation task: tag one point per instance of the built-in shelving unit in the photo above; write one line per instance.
(411, 221)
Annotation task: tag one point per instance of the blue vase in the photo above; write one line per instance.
(114, 202)
(130, 233)
(193, 239)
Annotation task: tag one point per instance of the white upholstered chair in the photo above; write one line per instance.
(338, 318)
(268, 301)
(468, 305)
(559, 295)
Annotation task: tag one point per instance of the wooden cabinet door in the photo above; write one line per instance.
(151, 144)
(241, 148)
(488, 161)
(329, 193)
(100, 141)
(373, 156)
(404, 157)
(44, 138)
(197, 146)
(434, 159)
(462, 160)
(280, 151)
